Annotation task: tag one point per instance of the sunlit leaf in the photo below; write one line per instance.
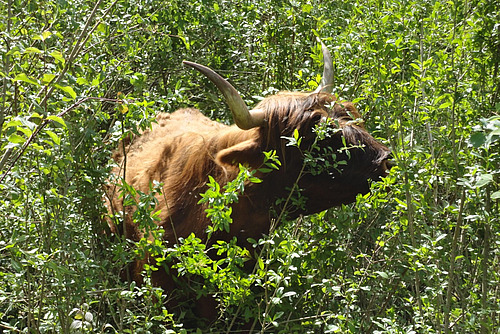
(26, 78)
(57, 119)
(123, 108)
(55, 138)
(48, 78)
(483, 180)
(32, 50)
(46, 34)
(43, 36)
(415, 66)
(58, 56)
(16, 139)
(68, 90)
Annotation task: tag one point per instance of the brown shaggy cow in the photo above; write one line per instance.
(183, 148)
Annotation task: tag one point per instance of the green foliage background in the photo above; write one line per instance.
(418, 255)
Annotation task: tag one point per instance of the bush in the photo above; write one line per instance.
(420, 254)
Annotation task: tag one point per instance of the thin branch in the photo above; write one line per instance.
(451, 271)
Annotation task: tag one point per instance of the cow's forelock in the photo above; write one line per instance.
(287, 111)
(366, 154)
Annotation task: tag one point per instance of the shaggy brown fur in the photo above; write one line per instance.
(183, 148)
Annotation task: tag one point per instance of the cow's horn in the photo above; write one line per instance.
(326, 84)
(243, 118)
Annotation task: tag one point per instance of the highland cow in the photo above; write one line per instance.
(183, 148)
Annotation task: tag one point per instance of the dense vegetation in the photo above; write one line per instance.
(418, 255)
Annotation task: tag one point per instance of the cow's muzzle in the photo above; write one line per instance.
(386, 164)
(383, 166)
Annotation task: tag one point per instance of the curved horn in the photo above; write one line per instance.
(243, 118)
(326, 84)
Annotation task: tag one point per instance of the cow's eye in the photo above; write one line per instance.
(316, 118)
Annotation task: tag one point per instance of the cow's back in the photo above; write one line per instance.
(167, 153)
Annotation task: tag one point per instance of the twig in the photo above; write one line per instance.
(2, 325)
(6, 67)
(451, 271)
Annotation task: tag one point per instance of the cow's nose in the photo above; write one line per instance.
(387, 163)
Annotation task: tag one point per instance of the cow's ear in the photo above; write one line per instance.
(246, 153)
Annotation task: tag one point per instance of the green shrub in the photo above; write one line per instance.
(419, 254)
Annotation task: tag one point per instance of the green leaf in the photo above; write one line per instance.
(46, 34)
(43, 36)
(58, 56)
(26, 130)
(78, 315)
(35, 115)
(415, 66)
(102, 27)
(16, 265)
(68, 90)
(484, 179)
(96, 82)
(265, 170)
(32, 50)
(382, 274)
(55, 138)
(445, 105)
(261, 263)
(82, 81)
(48, 78)
(255, 180)
(477, 139)
(185, 41)
(26, 78)
(495, 195)
(16, 139)
(57, 119)
(307, 8)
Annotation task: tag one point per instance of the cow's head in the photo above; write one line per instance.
(336, 158)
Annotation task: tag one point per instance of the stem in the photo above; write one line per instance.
(411, 228)
(6, 67)
(484, 281)
(124, 223)
(451, 272)
(484, 263)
